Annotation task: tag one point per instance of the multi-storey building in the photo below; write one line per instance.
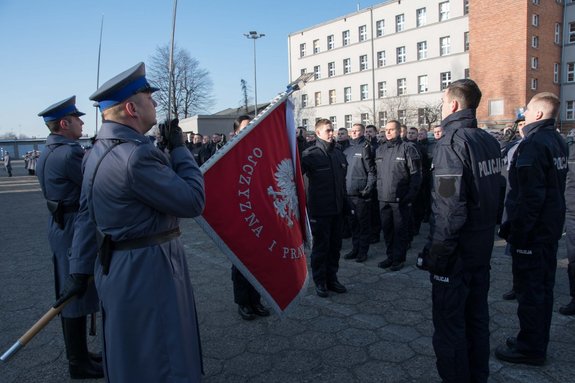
(393, 60)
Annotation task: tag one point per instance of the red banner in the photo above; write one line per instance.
(255, 206)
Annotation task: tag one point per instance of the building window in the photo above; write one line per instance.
(445, 45)
(382, 119)
(363, 91)
(445, 79)
(303, 71)
(399, 23)
(330, 69)
(496, 107)
(465, 7)
(347, 120)
(364, 118)
(421, 120)
(570, 72)
(362, 33)
(401, 86)
(444, 11)
(556, 73)
(535, 20)
(422, 84)
(317, 98)
(302, 50)
(379, 28)
(421, 17)
(570, 110)
(345, 36)
(422, 50)
(534, 63)
(304, 100)
(346, 66)
(304, 123)
(557, 38)
(466, 41)
(315, 46)
(382, 89)
(402, 116)
(534, 84)
(363, 62)
(466, 73)
(400, 55)
(332, 99)
(317, 72)
(333, 120)
(535, 41)
(536, 2)
(381, 59)
(347, 94)
(572, 32)
(330, 42)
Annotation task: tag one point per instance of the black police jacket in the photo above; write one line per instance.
(466, 192)
(570, 182)
(326, 167)
(360, 178)
(536, 200)
(398, 168)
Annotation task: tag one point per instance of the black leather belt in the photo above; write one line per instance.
(151, 240)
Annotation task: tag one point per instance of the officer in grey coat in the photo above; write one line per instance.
(134, 193)
(59, 172)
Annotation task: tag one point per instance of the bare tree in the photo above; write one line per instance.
(191, 85)
(431, 112)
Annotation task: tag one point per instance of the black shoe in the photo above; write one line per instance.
(321, 291)
(511, 342)
(260, 310)
(385, 264)
(509, 296)
(336, 287)
(350, 255)
(511, 355)
(568, 309)
(246, 312)
(361, 258)
(396, 266)
(87, 369)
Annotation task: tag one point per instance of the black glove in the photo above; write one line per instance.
(441, 259)
(175, 137)
(76, 285)
(504, 230)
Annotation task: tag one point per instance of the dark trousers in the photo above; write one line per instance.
(326, 233)
(360, 222)
(534, 276)
(461, 324)
(375, 218)
(395, 224)
(244, 293)
(570, 244)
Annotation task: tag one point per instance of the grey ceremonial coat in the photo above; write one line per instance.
(59, 172)
(150, 326)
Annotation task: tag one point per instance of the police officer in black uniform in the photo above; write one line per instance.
(398, 169)
(325, 166)
(465, 200)
(375, 231)
(536, 212)
(360, 180)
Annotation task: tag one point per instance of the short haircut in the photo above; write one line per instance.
(342, 129)
(238, 121)
(550, 100)
(396, 124)
(361, 127)
(322, 122)
(466, 92)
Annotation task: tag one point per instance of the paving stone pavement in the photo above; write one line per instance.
(380, 331)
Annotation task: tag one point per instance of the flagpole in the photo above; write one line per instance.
(171, 63)
(98, 72)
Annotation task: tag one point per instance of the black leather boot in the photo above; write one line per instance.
(80, 365)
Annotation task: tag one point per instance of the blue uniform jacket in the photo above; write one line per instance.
(466, 193)
(59, 172)
(536, 200)
(360, 176)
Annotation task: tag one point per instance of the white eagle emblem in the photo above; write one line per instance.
(285, 200)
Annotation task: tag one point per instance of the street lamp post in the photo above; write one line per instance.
(254, 36)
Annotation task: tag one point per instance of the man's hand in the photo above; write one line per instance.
(76, 285)
(175, 136)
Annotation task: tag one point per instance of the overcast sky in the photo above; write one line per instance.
(49, 49)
